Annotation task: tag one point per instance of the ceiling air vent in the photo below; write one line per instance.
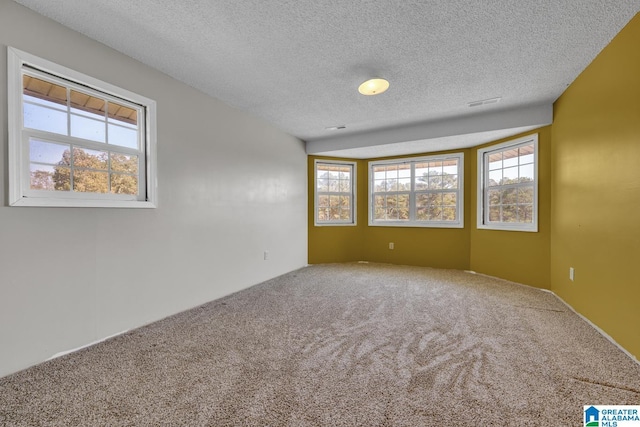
(484, 102)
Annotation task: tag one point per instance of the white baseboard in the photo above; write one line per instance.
(593, 325)
(73, 350)
(596, 327)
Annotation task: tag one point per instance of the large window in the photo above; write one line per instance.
(417, 192)
(508, 185)
(335, 193)
(75, 140)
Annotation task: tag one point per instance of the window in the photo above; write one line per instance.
(508, 185)
(417, 192)
(335, 193)
(75, 140)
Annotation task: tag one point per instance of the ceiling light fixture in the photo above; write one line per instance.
(373, 86)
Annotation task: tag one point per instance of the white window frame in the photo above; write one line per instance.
(412, 222)
(482, 209)
(354, 171)
(20, 193)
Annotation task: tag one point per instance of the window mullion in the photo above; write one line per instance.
(79, 142)
(106, 140)
(352, 194)
(25, 179)
(412, 194)
(71, 167)
(68, 111)
(485, 190)
(109, 171)
(106, 122)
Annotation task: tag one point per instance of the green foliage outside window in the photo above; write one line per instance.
(432, 200)
(93, 172)
(334, 192)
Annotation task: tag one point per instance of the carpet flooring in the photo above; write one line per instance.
(340, 345)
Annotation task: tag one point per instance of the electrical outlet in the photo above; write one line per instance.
(571, 273)
(266, 255)
(391, 245)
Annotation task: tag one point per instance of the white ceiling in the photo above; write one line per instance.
(298, 63)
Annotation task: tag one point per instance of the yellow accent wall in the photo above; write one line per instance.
(522, 257)
(329, 244)
(518, 256)
(596, 190)
(422, 246)
(432, 247)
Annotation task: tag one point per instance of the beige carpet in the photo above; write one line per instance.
(340, 345)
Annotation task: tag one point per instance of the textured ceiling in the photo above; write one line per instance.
(298, 63)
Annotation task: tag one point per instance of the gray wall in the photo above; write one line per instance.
(230, 187)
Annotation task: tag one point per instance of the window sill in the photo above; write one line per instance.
(70, 203)
(532, 229)
(335, 224)
(415, 225)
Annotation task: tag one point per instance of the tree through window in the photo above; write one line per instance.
(422, 192)
(508, 185)
(335, 193)
(76, 141)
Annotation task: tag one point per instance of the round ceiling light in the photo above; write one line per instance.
(373, 87)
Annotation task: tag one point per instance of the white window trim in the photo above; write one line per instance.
(354, 207)
(412, 222)
(481, 205)
(16, 59)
